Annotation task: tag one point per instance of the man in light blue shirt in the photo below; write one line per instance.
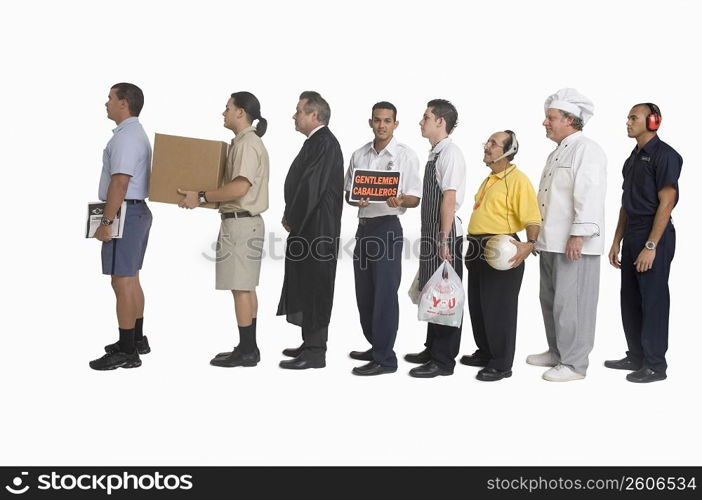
(128, 152)
(126, 168)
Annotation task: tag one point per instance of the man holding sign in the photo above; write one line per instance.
(383, 181)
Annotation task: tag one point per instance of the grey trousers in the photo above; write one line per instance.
(569, 292)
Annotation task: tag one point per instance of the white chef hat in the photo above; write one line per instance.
(573, 102)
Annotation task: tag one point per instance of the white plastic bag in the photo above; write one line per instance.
(442, 298)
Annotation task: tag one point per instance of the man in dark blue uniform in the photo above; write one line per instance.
(647, 237)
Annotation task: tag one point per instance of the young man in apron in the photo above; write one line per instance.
(442, 195)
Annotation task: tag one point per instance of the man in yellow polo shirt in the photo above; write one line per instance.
(504, 204)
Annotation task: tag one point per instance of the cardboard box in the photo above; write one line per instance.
(183, 162)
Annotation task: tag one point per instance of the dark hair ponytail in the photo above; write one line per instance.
(249, 103)
(261, 126)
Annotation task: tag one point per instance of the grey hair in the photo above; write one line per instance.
(315, 102)
(576, 121)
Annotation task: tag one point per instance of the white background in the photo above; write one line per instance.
(497, 61)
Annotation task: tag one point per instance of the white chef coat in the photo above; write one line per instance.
(572, 196)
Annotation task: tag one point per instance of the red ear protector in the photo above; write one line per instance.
(654, 118)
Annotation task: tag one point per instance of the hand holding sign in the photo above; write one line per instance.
(396, 202)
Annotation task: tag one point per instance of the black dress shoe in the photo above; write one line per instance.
(362, 355)
(225, 354)
(646, 375)
(474, 359)
(373, 368)
(419, 357)
(292, 352)
(229, 353)
(623, 364)
(493, 374)
(142, 346)
(429, 370)
(300, 363)
(237, 358)
(117, 359)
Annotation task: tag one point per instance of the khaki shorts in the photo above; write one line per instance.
(239, 252)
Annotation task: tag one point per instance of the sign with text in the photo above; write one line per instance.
(374, 185)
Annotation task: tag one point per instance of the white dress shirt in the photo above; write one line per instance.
(572, 196)
(395, 157)
(451, 173)
(450, 169)
(314, 130)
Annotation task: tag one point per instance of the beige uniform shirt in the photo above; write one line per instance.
(247, 157)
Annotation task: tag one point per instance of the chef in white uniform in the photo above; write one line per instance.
(572, 202)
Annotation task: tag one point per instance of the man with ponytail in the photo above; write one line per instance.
(242, 197)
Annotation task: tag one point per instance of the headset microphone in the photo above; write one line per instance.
(512, 150)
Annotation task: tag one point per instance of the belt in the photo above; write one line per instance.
(640, 218)
(488, 236)
(367, 220)
(235, 215)
(480, 236)
(133, 202)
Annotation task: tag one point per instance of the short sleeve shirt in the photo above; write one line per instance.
(648, 170)
(505, 203)
(396, 157)
(127, 152)
(247, 157)
(450, 169)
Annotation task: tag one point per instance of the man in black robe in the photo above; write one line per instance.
(314, 190)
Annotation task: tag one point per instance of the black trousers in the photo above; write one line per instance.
(314, 343)
(493, 300)
(444, 342)
(645, 297)
(377, 266)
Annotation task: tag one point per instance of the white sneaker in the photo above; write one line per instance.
(544, 359)
(561, 373)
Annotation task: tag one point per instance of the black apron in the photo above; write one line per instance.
(429, 259)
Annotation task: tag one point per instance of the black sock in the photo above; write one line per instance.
(247, 338)
(253, 323)
(139, 329)
(126, 340)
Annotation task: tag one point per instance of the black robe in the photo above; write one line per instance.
(314, 197)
